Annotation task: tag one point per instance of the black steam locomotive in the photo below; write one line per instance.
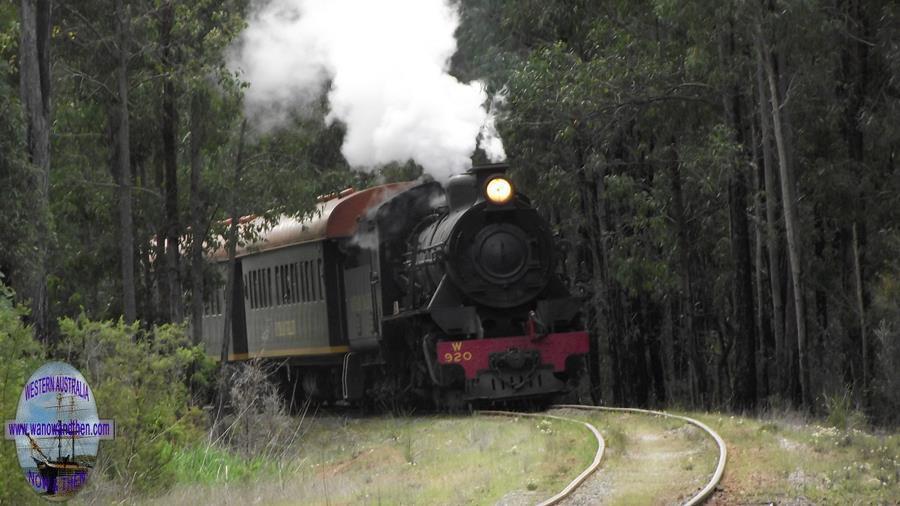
(409, 289)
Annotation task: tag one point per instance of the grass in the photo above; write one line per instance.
(215, 465)
(783, 459)
(780, 459)
(786, 459)
(387, 460)
(648, 460)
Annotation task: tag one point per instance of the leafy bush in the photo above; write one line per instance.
(254, 401)
(841, 412)
(21, 356)
(140, 379)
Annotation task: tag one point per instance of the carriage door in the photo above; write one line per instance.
(361, 291)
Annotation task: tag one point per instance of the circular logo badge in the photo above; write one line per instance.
(57, 431)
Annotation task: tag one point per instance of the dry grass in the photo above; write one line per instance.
(648, 460)
(390, 460)
(786, 459)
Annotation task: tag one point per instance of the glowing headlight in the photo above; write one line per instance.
(498, 190)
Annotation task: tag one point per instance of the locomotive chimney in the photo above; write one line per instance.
(462, 191)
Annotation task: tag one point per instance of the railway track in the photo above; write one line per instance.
(698, 498)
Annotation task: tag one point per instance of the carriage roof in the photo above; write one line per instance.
(333, 218)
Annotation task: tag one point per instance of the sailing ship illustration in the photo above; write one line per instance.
(67, 472)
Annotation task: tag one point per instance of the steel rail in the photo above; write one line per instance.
(710, 487)
(598, 455)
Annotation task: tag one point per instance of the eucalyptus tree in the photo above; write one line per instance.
(35, 90)
(638, 128)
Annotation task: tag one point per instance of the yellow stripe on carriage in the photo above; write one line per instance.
(290, 352)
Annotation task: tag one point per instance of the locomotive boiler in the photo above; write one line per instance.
(448, 293)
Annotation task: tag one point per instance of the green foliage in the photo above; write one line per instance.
(9, 33)
(140, 379)
(21, 357)
(210, 465)
(609, 107)
(16, 224)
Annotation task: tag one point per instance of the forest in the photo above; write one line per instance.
(723, 177)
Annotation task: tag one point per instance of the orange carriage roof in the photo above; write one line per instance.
(332, 219)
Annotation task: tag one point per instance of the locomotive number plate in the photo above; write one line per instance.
(457, 355)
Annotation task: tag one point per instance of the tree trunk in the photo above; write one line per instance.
(697, 373)
(860, 309)
(126, 244)
(791, 219)
(34, 77)
(820, 295)
(232, 265)
(170, 163)
(855, 70)
(773, 240)
(590, 176)
(668, 351)
(744, 325)
(609, 293)
(762, 378)
(198, 232)
(745, 335)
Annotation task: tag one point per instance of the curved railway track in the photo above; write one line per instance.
(697, 498)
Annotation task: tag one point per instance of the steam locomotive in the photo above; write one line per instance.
(444, 293)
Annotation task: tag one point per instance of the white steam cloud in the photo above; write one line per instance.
(386, 63)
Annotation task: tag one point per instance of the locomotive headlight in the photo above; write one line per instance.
(498, 190)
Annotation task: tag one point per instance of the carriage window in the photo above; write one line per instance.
(257, 293)
(312, 281)
(249, 286)
(291, 284)
(211, 304)
(252, 285)
(306, 292)
(257, 289)
(286, 285)
(261, 303)
(303, 294)
(302, 280)
(260, 290)
(269, 287)
(280, 288)
(319, 276)
(295, 286)
(287, 294)
(277, 299)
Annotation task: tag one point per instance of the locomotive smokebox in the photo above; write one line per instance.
(490, 244)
